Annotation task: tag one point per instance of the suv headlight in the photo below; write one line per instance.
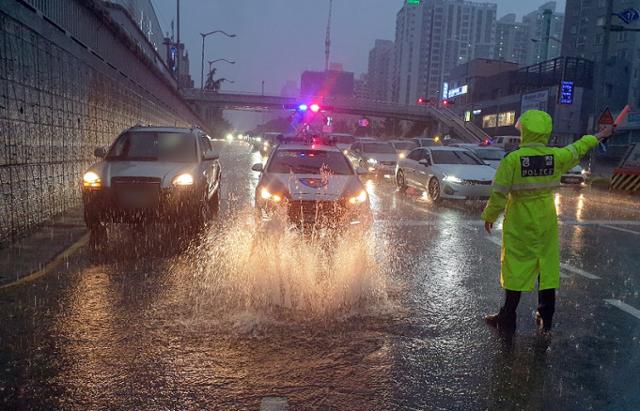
(452, 179)
(265, 194)
(91, 179)
(372, 161)
(182, 180)
(359, 199)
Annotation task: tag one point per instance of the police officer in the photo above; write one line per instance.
(523, 189)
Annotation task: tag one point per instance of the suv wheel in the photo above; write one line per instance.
(434, 190)
(401, 182)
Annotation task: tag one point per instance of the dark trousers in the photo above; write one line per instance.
(546, 306)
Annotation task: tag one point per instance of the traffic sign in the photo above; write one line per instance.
(606, 118)
(628, 15)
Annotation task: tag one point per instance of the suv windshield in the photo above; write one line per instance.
(154, 146)
(382, 148)
(489, 154)
(454, 157)
(309, 162)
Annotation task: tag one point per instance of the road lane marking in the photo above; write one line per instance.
(579, 271)
(274, 404)
(624, 307)
(51, 265)
(624, 230)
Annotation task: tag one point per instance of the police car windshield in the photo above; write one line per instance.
(378, 148)
(309, 162)
(489, 154)
(404, 145)
(154, 146)
(454, 157)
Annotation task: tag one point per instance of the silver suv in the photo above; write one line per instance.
(152, 174)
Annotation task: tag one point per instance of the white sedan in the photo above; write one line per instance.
(445, 172)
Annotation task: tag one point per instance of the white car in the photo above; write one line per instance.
(378, 157)
(314, 185)
(445, 172)
(152, 173)
(403, 147)
(342, 140)
(426, 142)
(489, 154)
(576, 176)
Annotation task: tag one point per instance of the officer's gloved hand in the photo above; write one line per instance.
(606, 132)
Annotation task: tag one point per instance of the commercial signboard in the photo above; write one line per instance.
(538, 100)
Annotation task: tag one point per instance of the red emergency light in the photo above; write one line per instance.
(314, 107)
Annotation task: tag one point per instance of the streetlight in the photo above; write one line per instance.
(205, 35)
(216, 60)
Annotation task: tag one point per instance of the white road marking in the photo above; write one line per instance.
(579, 271)
(624, 307)
(600, 222)
(624, 230)
(274, 404)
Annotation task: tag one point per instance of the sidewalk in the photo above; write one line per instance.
(33, 252)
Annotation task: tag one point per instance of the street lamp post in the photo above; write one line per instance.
(217, 60)
(205, 35)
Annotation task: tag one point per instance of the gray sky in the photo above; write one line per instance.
(278, 39)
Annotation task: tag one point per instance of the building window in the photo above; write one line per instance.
(489, 121)
(506, 119)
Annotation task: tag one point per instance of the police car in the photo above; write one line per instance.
(312, 186)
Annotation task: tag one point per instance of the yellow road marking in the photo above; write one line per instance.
(51, 265)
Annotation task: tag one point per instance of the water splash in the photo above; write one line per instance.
(250, 275)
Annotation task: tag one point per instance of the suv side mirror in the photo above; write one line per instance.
(361, 171)
(100, 152)
(258, 167)
(210, 156)
(425, 162)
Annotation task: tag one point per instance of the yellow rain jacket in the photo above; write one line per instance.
(523, 188)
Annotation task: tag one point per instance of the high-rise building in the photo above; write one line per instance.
(583, 37)
(434, 36)
(542, 47)
(511, 40)
(380, 70)
(527, 42)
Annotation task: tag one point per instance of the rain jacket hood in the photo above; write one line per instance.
(535, 127)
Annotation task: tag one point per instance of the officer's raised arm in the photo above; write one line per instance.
(569, 156)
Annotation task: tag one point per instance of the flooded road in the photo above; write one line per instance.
(386, 318)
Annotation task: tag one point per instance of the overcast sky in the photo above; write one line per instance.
(278, 39)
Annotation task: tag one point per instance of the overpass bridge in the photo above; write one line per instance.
(447, 120)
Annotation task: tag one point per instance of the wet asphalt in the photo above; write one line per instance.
(389, 318)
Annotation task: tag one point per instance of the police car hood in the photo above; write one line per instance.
(535, 127)
(467, 171)
(313, 187)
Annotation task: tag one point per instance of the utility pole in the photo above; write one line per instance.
(600, 87)
(179, 53)
(327, 40)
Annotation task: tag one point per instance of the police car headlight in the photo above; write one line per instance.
(372, 161)
(359, 199)
(182, 180)
(452, 179)
(402, 155)
(265, 194)
(91, 179)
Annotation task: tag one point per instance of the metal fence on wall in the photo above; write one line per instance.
(55, 108)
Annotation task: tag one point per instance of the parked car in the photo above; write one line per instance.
(445, 172)
(508, 143)
(576, 176)
(403, 147)
(426, 142)
(489, 154)
(377, 157)
(152, 174)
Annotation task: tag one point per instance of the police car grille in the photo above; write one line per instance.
(310, 211)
